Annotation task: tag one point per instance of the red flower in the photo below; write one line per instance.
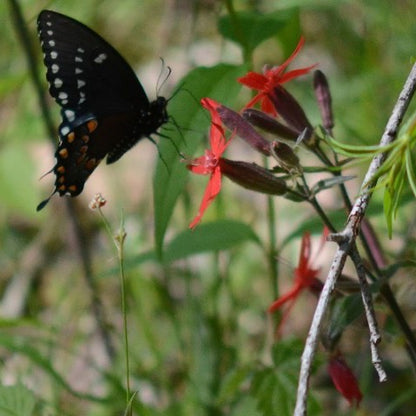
(265, 83)
(344, 380)
(209, 164)
(306, 277)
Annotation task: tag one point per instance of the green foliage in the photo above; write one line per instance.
(250, 29)
(170, 176)
(16, 400)
(201, 342)
(209, 237)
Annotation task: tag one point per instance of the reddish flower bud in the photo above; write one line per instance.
(323, 96)
(344, 380)
(289, 108)
(253, 177)
(235, 123)
(269, 124)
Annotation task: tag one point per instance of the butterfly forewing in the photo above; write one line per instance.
(104, 108)
(83, 70)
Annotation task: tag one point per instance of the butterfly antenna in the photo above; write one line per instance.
(160, 83)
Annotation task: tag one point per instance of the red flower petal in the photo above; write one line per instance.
(211, 191)
(291, 295)
(294, 53)
(265, 83)
(209, 163)
(253, 80)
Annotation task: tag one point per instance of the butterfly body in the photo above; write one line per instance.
(104, 108)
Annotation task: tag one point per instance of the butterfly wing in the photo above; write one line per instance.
(104, 108)
(84, 71)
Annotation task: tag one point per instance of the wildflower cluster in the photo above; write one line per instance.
(282, 116)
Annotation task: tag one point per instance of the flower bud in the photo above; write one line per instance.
(286, 157)
(269, 124)
(235, 123)
(97, 202)
(344, 380)
(323, 96)
(253, 177)
(289, 108)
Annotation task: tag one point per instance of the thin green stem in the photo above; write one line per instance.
(273, 250)
(120, 252)
(118, 240)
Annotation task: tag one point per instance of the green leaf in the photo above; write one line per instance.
(246, 406)
(214, 236)
(329, 183)
(410, 172)
(231, 384)
(286, 354)
(357, 150)
(344, 312)
(16, 401)
(249, 29)
(388, 210)
(170, 178)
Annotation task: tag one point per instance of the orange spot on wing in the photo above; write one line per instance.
(92, 125)
(71, 137)
(63, 153)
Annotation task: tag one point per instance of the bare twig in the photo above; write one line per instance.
(375, 336)
(350, 233)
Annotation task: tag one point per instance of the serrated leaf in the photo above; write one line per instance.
(214, 236)
(170, 177)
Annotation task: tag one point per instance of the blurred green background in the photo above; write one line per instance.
(196, 321)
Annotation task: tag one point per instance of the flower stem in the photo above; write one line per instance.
(118, 240)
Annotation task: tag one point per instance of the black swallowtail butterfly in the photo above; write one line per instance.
(104, 108)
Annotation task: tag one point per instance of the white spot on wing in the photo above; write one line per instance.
(49, 32)
(80, 50)
(64, 131)
(52, 43)
(70, 115)
(100, 58)
(82, 97)
(63, 95)
(78, 59)
(80, 83)
(54, 68)
(57, 82)
(78, 71)
(54, 54)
